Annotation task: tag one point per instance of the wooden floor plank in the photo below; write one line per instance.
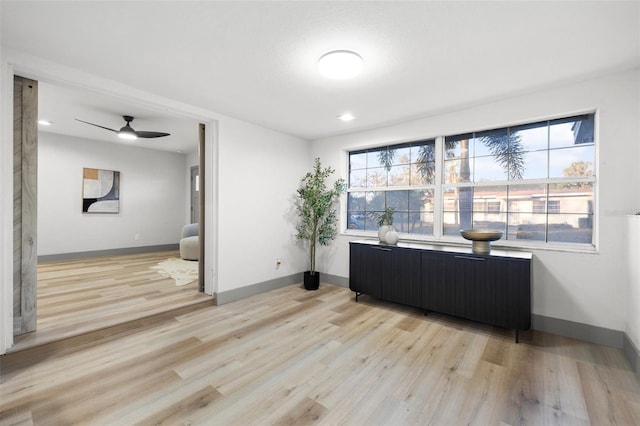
(75, 297)
(293, 357)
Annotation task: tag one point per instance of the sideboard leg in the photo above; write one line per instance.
(517, 335)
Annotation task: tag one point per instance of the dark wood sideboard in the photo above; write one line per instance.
(493, 289)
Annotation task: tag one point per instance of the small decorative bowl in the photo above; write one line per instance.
(481, 238)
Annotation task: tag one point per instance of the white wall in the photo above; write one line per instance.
(252, 175)
(589, 288)
(259, 171)
(152, 202)
(632, 321)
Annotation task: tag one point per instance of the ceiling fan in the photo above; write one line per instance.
(127, 132)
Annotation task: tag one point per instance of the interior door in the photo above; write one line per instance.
(25, 197)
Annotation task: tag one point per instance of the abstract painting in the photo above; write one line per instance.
(100, 191)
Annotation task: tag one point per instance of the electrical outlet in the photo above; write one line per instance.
(136, 237)
(278, 262)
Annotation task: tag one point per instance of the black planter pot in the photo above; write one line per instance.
(311, 282)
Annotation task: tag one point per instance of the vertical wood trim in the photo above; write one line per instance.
(25, 218)
(201, 218)
(17, 202)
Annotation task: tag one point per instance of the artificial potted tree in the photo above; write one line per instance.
(317, 222)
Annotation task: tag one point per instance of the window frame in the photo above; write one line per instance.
(439, 186)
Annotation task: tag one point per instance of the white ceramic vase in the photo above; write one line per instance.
(382, 231)
(391, 237)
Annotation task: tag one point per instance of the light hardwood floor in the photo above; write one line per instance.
(292, 357)
(78, 296)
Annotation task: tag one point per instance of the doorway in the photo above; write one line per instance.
(197, 210)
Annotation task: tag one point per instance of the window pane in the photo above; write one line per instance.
(527, 226)
(459, 148)
(423, 173)
(451, 224)
(487, 143)
(535, 165)
(401, 221)
(358, 179)
(571, 162)
(423, 152)
(570, 228)
(374, 156)
(565, 133)
(356, 220)
(421, 223)
(357, 161)
(498, 222)
(421, 200)
(451, 172)
(371, 221)
(489, 207)
(458, 207)
(399, 200)
(523, 197)
(356, 201)
(488, 169)
(399, 175)
(450, 199)
(376, 178)
(375, 201)
(572, 197)
(400, 155)
(532, 138)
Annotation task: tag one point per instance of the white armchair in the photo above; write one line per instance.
(190, 242)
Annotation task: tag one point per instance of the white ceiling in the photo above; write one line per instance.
(257, 60)
(62, 105)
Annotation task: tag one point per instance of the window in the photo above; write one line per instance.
(533, 181)
(399, 176)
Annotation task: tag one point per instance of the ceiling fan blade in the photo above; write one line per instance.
(143, 134)
(97, 125)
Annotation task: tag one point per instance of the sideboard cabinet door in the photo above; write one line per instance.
(439, 282)
(386, 272)
(403, 278)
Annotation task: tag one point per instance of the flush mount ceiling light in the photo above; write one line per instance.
(45, 122)
(347, 116)
(340, 64)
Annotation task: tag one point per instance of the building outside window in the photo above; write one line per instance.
(533, 181)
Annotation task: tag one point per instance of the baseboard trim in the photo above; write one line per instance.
(580, 331)
(262, 287)
(335, 280)
(253, 289)
(102, 253)
(631, 352)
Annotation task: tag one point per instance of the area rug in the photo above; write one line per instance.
(183, 271)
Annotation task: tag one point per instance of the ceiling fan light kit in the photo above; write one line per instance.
(127, 132)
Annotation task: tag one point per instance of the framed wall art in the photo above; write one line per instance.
(100, 191)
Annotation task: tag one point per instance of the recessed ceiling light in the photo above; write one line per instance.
(347, 116)
(340, 64)
(45, 122)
